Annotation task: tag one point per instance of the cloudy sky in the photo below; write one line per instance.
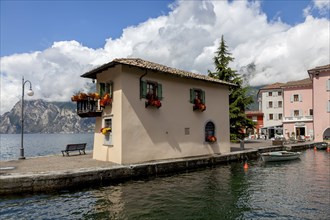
(51, 43)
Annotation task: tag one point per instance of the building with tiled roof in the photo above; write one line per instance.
(147, 111)
(147, 65)
(270, 100)
(300, 108)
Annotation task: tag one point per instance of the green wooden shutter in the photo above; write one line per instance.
(160, 91)
(110, 88)
(203, 96)
(143, 89)
(102, 89)
(192, 95)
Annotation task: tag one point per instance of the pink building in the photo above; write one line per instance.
(320, 77)
(298, 109)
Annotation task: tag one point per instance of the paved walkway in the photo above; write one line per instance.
(79, 162)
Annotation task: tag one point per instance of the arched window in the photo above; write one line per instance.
(210, 132)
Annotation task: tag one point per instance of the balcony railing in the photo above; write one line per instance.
(89, 108)
(298, 118)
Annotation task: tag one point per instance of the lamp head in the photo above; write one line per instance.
(30, 92)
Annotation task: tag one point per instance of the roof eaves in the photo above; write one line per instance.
(156, 67)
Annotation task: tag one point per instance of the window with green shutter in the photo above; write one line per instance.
(106, 88)
(197, 94)
(197, 97)
(151, 90)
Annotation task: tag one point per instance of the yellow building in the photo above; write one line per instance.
(147, 111)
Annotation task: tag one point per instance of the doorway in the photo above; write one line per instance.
(300, 131)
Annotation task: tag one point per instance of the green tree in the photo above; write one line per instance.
(238, 98)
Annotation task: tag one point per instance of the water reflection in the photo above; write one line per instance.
(287, 190)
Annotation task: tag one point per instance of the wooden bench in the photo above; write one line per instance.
(74, 147)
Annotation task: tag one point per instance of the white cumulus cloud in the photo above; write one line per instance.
(186, 38)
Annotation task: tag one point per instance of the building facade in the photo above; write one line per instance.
(258, 118)
(153, 112)
(298, 109)
(271, 105)
(320, 77)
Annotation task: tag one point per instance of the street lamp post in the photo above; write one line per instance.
(29, 93)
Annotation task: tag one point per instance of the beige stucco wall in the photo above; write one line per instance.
(101, 151)
(143, 134)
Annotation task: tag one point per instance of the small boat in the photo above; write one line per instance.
(280, 156)
(322, 146)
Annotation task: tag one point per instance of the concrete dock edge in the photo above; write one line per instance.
(94, 177)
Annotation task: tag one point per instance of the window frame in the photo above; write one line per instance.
(209, 130)
(105, 87)
(271, 117)
(107, 141)
(157, 90)
(197, 93)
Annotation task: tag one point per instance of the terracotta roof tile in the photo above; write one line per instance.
(303, 82)
(276, 85)
(153, 66)
(319, 69)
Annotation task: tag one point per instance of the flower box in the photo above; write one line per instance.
(152, 101)
(199, 106)
(211, 139)
(105, 131)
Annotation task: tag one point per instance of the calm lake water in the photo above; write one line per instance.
(40, 144)
(297, 189)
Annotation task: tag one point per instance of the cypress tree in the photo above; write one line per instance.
(238, 98)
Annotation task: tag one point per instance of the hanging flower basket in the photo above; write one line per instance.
(105, 131)
(211, 139)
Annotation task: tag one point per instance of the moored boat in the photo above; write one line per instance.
(280, 156)
(322, 146)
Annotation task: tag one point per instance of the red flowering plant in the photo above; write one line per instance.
(105, 100)
(153, 100)
(80, 96)
(211, 139)
(198, 105)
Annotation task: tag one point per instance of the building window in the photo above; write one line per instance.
(296, 113)
(279, 104)
(107, 123)
(311, 112)
(280, 116)
(151, 90)
(296, 98)
(329, 106)
(187, 131)
(210, 132)
(197, 95)
(271, 117)
(270, 94)
(254, 118)
(270, 104)
(328, 84)
(106, 88)
(279, 93)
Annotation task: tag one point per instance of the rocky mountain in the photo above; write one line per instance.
(45, 117)
(253, 91)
